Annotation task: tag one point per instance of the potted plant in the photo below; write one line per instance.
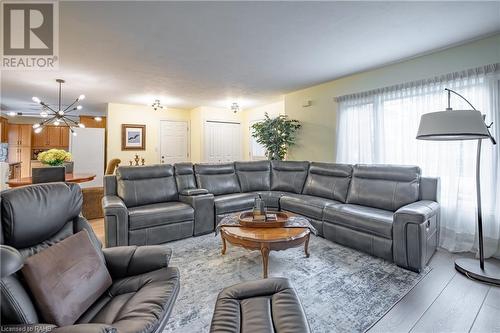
(276, 135)
(56, 157)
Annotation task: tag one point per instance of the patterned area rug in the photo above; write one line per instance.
(342, 290)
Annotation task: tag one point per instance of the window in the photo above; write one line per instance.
(380, 127)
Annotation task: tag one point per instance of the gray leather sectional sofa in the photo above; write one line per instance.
(385, 210)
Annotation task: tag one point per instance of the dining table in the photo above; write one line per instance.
(70, 178)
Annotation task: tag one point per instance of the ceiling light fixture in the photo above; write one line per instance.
(59, 115)
(235, 107)
(156, 105)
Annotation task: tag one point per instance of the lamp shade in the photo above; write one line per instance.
(452, 125)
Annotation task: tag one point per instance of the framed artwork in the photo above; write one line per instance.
(133, 137)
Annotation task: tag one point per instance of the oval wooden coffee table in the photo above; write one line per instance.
(265, 240)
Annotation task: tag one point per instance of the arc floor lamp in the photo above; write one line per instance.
(464, 125)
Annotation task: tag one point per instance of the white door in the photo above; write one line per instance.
(174, 141)
(87, 153)
(222, 141)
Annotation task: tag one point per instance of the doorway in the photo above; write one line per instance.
(174, 141)
(223, 141)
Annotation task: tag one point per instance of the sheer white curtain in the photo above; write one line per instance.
(380, 127)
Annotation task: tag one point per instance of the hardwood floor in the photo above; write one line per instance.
(98, 227)
(443, 301)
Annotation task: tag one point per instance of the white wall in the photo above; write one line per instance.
(317, 137)
(118, 114)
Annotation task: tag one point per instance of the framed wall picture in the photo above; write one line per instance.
(133, 137)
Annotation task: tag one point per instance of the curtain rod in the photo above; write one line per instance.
(482, 70)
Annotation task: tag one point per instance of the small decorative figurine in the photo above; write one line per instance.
(137, 159)
(131, 162)
(143, 161)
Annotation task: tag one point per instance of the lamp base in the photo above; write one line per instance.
(472, 269)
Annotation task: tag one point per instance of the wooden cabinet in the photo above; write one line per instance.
(4, 135)
(19, 135)
(23, 155)
(51, 137)
(64, 137)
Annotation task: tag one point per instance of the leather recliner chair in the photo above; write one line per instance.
(144, 287)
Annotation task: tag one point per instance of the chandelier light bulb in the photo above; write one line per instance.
(81, 125)
(73, 132)
(57, 122)
(44, 114)
(81, 97)
(38, 130)
(61, 113)
(35, 126)
(79, 107)
(36, 99)
(98, 118)
(12, 113)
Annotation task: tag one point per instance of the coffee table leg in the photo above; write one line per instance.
(223, 244)
(306, 246)
(264, 250)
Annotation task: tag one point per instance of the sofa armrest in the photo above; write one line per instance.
(415, 228)
(193, 191)
(115, 221)
(417, 212)
(204, 213)
(85, 328)
(123, 261)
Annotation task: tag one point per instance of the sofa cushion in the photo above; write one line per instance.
(288, 176)
(144, 185)
(254, 176)
(384, 186)
(66, 279)
(236, 202)
(306, 205)
(135, 303)
(160, 213)
(370, 220)
(217, 178)
(328, 180)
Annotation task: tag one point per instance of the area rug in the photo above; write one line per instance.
(342, 290)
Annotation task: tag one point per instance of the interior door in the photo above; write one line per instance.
(174, 142)
(222, 141)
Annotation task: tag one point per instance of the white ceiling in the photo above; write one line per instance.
(213, 53)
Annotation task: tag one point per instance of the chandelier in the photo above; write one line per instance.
(60, 115)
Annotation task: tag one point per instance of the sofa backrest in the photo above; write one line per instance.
(34, 218)
(254, 176)
(288, 176)
(184, 176)
(145, 185)
(328, 180)
(217, 178)
(384, 186)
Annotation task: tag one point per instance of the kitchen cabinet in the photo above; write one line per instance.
(64, 137)
(23, 155)
(51, 137)
(4, 135)
(19, 138)
(19, 135)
